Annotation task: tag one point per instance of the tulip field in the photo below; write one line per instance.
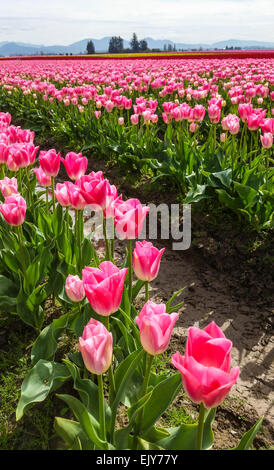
(94, 338)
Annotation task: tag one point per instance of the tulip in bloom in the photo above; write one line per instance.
(43, 179)
(146, 260)
(8, 186)
(74, 288)
(14, 209)
(267, 140)
(95, 345)
(104, 287)
(62, 195)
(50, 162)
(129, 218)
(155, 327)
(214, 113)
(75, 164)
(205, 367)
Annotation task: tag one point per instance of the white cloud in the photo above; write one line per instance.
(63, 22)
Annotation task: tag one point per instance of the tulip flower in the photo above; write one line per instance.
(146, 260)
(50, 162)
(104, 287)
(62, 195)
(129, 218)
(74, 288)
(95, 345)
(155, 327)
(267, 140)
(75, 197)
(75, 164)
(8, 186)
(14, 210)
(43, 179)
(205, 367)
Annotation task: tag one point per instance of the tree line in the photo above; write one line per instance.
(116, 46)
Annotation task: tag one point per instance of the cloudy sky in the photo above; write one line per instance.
(52, 22)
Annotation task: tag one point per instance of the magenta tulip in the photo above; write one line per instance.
(155, 327)
(205, 367)
(75, 164)
(50, 162)
(42, 178)
(95, 345)
(62, 195)
(129, 218)
(146, 260)
(74, 288)
(14, 209)
(104, 287)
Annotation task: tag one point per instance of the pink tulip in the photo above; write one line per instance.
(62, 195)
(155, 327)
(4, 152)
(214, 113)
(245, 109)
(146, 260)
(8, 186)
(74, 288)
(129, 218)
(75, 164)
(50, 162)
(21, 155)
(14, 210)
(253, 121)
(104, 287)
(96, 191)
(267, 140)
(43, 179)
(134, 119)
(76, 199)
(95, 345)
(205, 367)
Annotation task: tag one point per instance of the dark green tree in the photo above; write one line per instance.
(134, 43)
(90, 47)
(116, 45)
(143, 45)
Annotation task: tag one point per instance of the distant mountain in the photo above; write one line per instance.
(101, 45)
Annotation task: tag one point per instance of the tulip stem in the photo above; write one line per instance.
(78, 221)
(200, 426)
(130, 271)
(110, 370)
(147, 291)
(47, 198)
(101, 407)
(20, 239)
(106, 239)
(53, 195)
(149, 360)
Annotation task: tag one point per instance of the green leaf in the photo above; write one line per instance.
(184, 437)
(45, 345)
(71, 432)
(8, 294)
(43, 378)
(173, 308)
(88, 392)
(122, 435)
(162, 396)
(248, 437)
(86, 420)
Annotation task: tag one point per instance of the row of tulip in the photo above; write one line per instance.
(44, 254)
(205, 126)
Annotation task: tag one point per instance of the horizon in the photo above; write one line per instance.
(199, 22)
